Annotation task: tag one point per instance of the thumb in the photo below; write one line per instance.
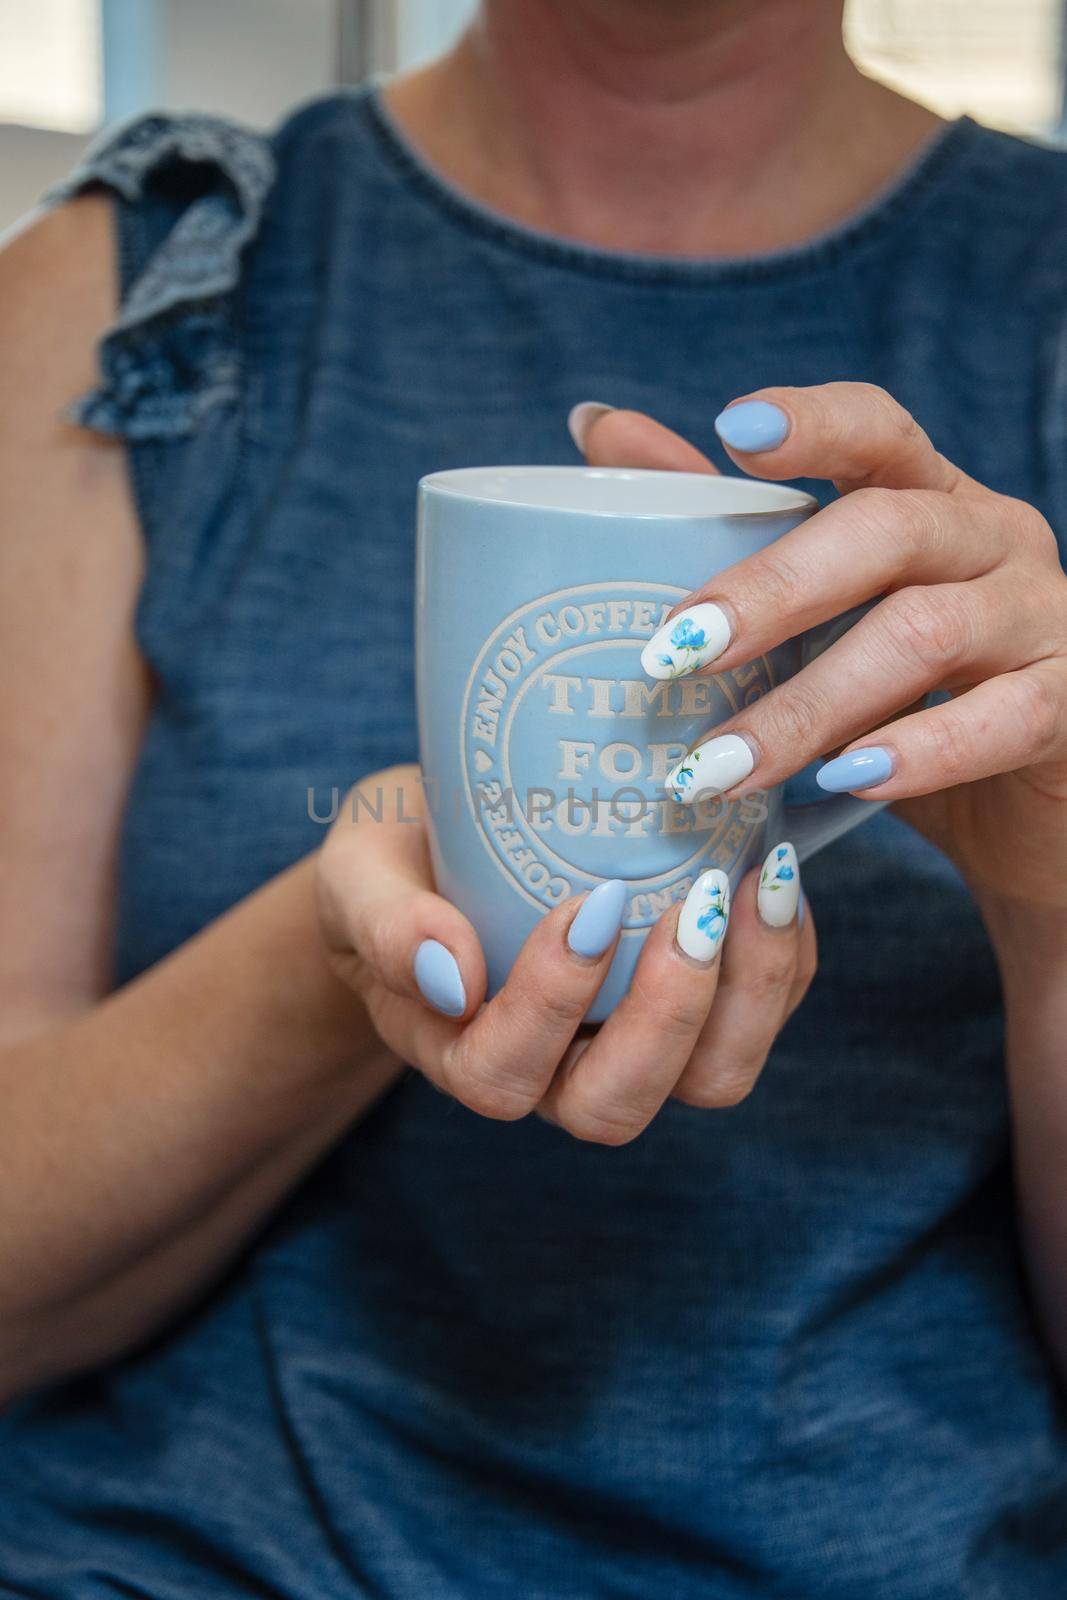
(381, 917)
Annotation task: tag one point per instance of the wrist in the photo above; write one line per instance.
(265, 969)
(1030, 945)
(311, 995)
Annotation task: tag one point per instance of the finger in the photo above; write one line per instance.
(873, 542)
(912, 642)
(381, 916)
(503, 1061)
(611, 1092)
(610, 438)
(852, 433)
(1013, 721)
(807, 956)
(765, 972)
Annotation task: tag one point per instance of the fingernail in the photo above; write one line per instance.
(778, 895)
(856, 769)
(438, 977)
(599, 919)
(702, 924)
(711, 768)
(752, 425)
(802, 911)
(690, 640)
(581, 418)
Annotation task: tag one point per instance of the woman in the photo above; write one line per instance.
(784, 1349)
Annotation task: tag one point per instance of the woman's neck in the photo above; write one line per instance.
(676, 127)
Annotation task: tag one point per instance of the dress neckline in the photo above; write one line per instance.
(892, 204)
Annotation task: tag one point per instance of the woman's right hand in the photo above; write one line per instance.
(696, 1030)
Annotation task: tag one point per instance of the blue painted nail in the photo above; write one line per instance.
(752, 425)
(599, 919)
(438, 978)
(857, 769)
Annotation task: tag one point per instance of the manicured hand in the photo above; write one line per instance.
(703, 1010)
(971, 598)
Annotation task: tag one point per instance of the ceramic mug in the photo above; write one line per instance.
(544, 746)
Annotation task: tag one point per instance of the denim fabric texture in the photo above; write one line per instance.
(779, 1351)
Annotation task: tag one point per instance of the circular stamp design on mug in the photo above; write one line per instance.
(566, 745)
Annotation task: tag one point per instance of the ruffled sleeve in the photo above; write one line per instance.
(190, 194)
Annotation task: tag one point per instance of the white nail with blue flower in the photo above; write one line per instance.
(702, 924)
(778, 894)
(688, 641)
(712, 768)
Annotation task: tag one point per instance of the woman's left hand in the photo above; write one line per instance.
(973, 601)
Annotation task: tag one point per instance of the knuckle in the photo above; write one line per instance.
(872, 510)
(885, 422)
(533, 1002)
(794, 717)
(675, 1016)
(1039, 705)
(931, 628)
(916, 527)
(950, 743)
(1029, 526)
(562, 1009)
(490, 1089)
(769, 986)
(489, 1097)
(873, 392)
(888, 413)
(775, 583)
(728, 1085)
(602, 1125)
(906, 521)
(898, 419)
(1044, 538)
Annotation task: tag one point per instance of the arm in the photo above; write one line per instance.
(144, 1142)
(146, 1136)
(1032, 953)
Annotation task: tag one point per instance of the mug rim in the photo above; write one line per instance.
(454, 483)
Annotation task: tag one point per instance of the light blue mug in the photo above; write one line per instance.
(544, 746)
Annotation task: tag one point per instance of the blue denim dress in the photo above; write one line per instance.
(783, 1350)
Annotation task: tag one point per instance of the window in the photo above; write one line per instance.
(51, 70)
(1001, 60)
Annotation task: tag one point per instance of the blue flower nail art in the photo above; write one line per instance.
(682, 777)
(702, 924)
(687, 642)
(724, 760)
(778, 893)
(686, 636)
(712, 920)
(782, 871)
